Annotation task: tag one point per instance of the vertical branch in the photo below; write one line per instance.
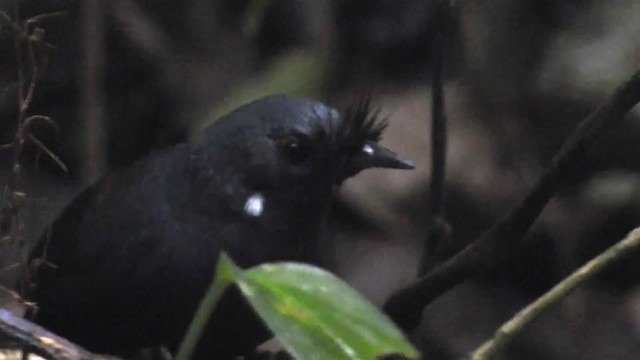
(13, 196)
(438, 121)
(24, 38)
(18, 140)
(92, 103)
(12, 182)
(29, 47)
(439, 231)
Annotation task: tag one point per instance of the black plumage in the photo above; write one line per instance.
(129, 259)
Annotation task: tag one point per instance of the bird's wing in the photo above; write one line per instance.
(113, 255)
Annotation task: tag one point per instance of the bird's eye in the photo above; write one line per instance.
(297, 148)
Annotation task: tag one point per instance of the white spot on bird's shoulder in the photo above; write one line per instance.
(368, 149)
(254, 205)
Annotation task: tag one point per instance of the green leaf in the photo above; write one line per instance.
(318, 316)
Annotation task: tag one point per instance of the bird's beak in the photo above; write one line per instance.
(374, 155)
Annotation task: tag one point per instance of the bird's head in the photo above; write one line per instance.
(294, 143)
(278, 160)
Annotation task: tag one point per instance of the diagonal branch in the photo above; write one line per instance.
(41, 341)
(405, 307)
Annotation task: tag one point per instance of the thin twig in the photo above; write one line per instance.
(26, 37)
(594, 267)
(47, 16)
(48, 151)
(45, 119)
(17, 140)
(10, 210)
(405, 306)
(35, 71)
(21, 37)
(439, 234)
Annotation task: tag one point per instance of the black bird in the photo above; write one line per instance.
(128, 261)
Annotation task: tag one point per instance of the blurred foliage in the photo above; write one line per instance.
(300, 73)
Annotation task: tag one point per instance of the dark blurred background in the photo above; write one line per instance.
(123, 77)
